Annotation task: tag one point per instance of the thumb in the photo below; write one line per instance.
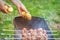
(20, 12)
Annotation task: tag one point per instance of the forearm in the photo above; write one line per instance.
(0, 0)
(18, 3)
(15, 2)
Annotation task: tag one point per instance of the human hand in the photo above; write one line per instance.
(22, 9)
(4, 7)
(24, 13)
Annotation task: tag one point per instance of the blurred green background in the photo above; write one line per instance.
(47, 9)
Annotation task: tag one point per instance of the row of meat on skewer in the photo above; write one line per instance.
(34, 34)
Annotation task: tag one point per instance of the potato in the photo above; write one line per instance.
(23, 14)
(6, 7)
(9, 9)
(26, 15)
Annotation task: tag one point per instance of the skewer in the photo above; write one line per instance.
(20, 31)
(20, 38)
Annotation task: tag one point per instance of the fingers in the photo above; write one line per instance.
(2, 8)
(21, 5)
(21, 9)
(6, 8)
(20, 12)
(7, 4)
(6, 11)
(24, 14)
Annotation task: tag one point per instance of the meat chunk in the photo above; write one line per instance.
(33, 34)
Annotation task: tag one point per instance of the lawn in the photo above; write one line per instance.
(47, 9)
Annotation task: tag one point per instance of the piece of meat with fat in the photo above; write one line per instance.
(31, 34)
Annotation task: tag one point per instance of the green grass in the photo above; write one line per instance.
(47, 9)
